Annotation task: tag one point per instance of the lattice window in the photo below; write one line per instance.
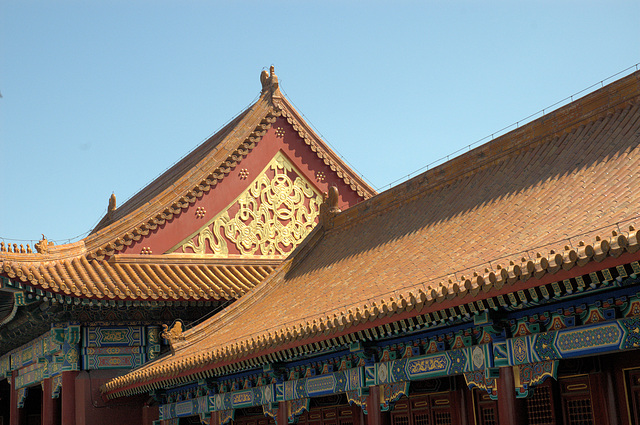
(400, 420)
(579, 411)
(486, 408)
(442, 418)
(577, 405)
(421, 418)
(488, 416)
(424, 409)
(540, 408)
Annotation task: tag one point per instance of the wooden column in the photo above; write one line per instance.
(46, 412)
(461, 394)
(374, 415)
(55, 411)
(283, 415)
(507, 405)
(610, 393)
(15, 415)
(68, 395)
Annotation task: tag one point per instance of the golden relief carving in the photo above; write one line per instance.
(274, 214)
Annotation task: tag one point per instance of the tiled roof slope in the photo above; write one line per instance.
(90, 268)
(512, 212)
(158, 277)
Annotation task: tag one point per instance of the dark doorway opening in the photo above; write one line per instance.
(33, 406)
(5, 401)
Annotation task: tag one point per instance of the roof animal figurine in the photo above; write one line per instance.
(269, 79)
(43, 246)
(174, 334)
(329, 207)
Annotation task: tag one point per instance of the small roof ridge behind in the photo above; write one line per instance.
(588, 108)
(169, 176)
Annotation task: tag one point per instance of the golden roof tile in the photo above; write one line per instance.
(548, 199)
(167, 278)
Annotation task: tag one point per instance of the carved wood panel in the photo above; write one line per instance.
(576, 400)
(426, 409)
(486, 409)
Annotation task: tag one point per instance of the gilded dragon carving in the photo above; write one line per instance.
(271, 217)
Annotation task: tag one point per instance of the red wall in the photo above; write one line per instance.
(218, 198)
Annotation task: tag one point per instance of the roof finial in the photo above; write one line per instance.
(112, 205)
(269, 81)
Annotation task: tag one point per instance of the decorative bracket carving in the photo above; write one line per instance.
(275, 371)
(365, 353)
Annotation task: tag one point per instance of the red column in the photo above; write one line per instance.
(374, 415)
(507, 409)
(609, 393)
(283, 414)
(46, 414)
(16, 415)
(68, 395)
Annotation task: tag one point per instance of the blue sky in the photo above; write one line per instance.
(102, 97)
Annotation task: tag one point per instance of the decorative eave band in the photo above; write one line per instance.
(413, 300)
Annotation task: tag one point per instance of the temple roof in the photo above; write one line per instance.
(100, 266)
(542, 203)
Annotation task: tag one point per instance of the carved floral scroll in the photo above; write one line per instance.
(271, 217)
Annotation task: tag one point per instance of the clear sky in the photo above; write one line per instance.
(103, 96)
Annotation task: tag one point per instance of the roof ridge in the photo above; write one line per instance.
(270, 105)
(590, 108)
(183, 197)
(322, 150)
